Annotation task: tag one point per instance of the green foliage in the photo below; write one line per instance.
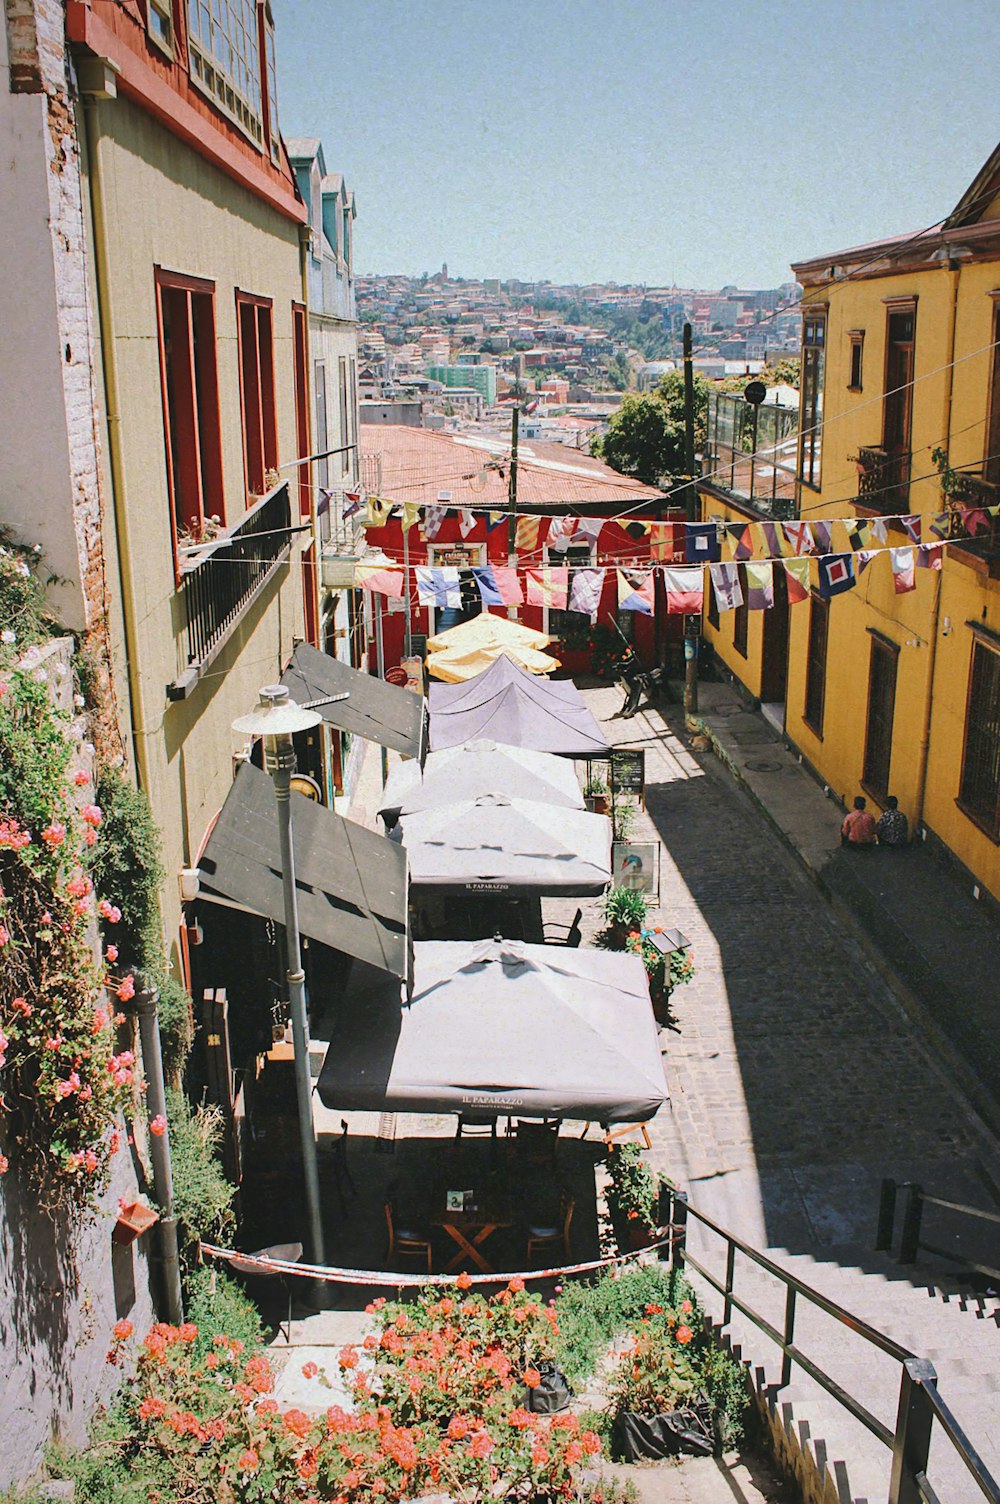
(625, 908)
(216, 1303)
(128, 869)
(23, 606)
(592, 1314)
(176, 1025)
(645, 438)
(604, 644)
(784, 372)
(634, 1189)
(619, 372)
(35, 752)
(203, 1197)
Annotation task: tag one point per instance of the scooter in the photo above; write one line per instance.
(638, 681)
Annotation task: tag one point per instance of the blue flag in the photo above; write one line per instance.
(836, 574)
(701, 543)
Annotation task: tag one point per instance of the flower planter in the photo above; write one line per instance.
(597, 803)
(690, 1429)
(133, 1221)
(638, 1235)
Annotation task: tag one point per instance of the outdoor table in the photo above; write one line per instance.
(471, 1229)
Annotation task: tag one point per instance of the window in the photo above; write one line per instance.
(300, 341)
(979, 792)
(741, 616)
(345, 240)
(345, 435)
(711, 602)
(811, 439)
(819, 621)
(271, 77)
(190, 390)
(160, 24)
(857, 339)
(260, 432)
(224, 47)
(354, 399)
(991, 468)
(577, 556)
(322, 433)
(881, 708)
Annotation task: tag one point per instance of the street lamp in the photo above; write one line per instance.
(275, 719)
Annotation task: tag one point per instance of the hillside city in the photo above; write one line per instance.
(499, 787)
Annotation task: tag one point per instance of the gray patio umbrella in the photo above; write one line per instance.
(477, 768)
(517, 708)
(496, 1027)
(517, 847)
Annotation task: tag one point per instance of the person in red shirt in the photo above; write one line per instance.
(859, 826)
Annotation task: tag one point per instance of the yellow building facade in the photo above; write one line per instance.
(884, 692)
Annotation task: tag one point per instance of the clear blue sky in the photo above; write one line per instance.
(639, 140)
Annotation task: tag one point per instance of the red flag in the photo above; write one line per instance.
(685, 590)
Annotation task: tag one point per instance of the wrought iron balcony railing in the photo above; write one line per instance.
(751, 453)
(222, 580)
(972, 529)
(883, 480)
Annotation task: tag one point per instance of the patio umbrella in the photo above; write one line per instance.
(495, 1027)
(507, 705)
(465, 651)
(516, 847)
(476, 768)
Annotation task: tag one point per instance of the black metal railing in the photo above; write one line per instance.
(910, 1241)
(919, 1404)
(751, 452)
(220, 581)
(969, 497)
(883, 480)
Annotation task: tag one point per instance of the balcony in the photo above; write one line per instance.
(751, 453)
(341, 543)
(221, 581)
(883, 481)
(972, 537)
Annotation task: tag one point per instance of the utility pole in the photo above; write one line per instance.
(692, 624)
(512, 502)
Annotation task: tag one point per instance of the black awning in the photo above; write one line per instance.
(351, 883)
(380, 712)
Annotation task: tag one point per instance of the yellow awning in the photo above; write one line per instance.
(456, 666)
(487, 630)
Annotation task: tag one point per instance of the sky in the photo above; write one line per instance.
(650, 141)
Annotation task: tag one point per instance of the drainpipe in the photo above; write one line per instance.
(159, 1149)
(102, 282)
(923, 752)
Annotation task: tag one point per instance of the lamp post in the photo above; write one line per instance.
(275, 719)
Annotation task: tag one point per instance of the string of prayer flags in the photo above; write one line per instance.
(760, 586)
(636, 587)
(822, 533)
(797, 580)
(547, 587)
(379, 578)
(726, 585)
(911, 522)
(903, 568)
(799, 537)
(466, 521)
(585, 590)
(685, 586)
(439, 586)
(929, 555)
(701, 542)
(433, 518)
(743, 540)
(526, 540)
(836, 574)
(411, 514)
(498, 585)
(352, 504)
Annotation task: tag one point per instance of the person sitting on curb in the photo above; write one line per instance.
(892, 828)
(858, 829)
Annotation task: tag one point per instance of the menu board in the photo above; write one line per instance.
(628, 773)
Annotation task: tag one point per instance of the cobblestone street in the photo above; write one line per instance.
(796, 1079)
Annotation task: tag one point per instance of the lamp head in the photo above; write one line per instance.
(276, 714)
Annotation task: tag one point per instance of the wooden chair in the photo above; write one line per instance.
(404, 1240)
(536, 1142)
(472, 1126)
(556, 1234)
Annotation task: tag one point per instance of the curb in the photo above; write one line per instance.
(980, 1102)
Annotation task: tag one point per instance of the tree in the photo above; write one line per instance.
(619, 372)
(645, 438)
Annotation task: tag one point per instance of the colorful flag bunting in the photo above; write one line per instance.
(836, 574)
(760, 585)
(822, 533)
(973, 519)
(863, 558)
(384, 581)
(701, 542)
(773, 540)
(547, 587)
(466, 521)
(528, 529)
(411, 514)
(685, 589)
(661, 542)
(585, 590)
(857, 533)
(798, 536)
(325, 498)
(433, 518)
(376, 511)
(911, 522)
(903, 567)
(498, 585)
(560, 534)
(797, 580)
(589, 528)
(929, 555)
(940, 525)
(742, 539)
(352, 504)
(727, 587)
(496, 519)
(880, 529)
(635, 590)
(439, 586)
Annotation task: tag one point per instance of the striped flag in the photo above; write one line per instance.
(797, 580)
(903, 568)
(726, 585)
(661, 542)
(439, 586)
(685, 589)
(760, 585)
(547, 587)
(773, 540)
(526, 538)
(585, 590)
(380, 579)
(498, 585)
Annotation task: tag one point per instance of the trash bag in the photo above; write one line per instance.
(552, 1394)
(690, 1429)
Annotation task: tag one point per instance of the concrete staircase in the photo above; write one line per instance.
(957, 1331)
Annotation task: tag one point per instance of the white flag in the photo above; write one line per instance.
(727, 587)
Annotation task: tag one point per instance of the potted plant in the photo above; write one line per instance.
(623, 820)
(632, 1196)
(134, 1218)
(624, 911)
(660, 1404)
(595, 794)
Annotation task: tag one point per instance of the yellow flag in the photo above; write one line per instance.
(411, 514)
(526, 537)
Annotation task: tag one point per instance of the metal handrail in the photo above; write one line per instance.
(910, 1241)
(919, 1405)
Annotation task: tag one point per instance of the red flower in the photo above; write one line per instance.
(310, 1370)
(348, 1357)
(158, 1125)
(464, 1280)
(481, 1445)
(298, 1423)
(532, 1378)
(248, 1461)
(684, 1334)
(122, 1330)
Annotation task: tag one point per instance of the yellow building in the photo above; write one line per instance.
(885, 692)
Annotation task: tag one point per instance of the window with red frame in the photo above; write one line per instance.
(300, 341)
(260, 429)
(190, 388)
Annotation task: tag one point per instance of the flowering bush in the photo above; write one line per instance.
(664, 972)
(64, 1079)
(657, 1372)
(634, 1189)
(438, 1407)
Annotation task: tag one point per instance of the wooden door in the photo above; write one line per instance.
(881, 709)
(774, 659)
(897, 415)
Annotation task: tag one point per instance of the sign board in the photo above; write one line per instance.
(457, 554)
(636, 865)
(628, 773)
(692, 626)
